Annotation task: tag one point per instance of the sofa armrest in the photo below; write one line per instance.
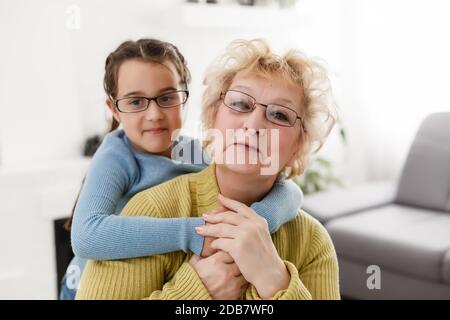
(328, 205)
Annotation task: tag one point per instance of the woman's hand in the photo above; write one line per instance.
(245, 236)
(207, 250)
(220, 275)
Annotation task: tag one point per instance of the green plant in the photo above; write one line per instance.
(320, 174)
(287, 3)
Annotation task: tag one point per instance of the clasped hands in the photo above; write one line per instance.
(238, 251)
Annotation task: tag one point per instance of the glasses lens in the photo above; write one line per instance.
(172, 99)
(280, 115)
(238, 101)
(132, 104)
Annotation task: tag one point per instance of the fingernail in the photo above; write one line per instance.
(199, 229)
(205, 216)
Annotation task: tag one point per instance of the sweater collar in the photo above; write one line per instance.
(206, 190)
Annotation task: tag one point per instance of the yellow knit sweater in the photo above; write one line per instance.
(302, 243)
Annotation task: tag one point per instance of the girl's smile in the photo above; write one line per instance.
(155, 130)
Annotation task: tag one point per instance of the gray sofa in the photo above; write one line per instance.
(403, 228)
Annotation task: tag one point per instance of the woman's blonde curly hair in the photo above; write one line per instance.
(256, 57)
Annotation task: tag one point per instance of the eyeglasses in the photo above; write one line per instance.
(277, 114)
(138, 104)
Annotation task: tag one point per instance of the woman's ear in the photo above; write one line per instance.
(113, 109)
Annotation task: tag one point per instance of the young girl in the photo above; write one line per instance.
(146, 84)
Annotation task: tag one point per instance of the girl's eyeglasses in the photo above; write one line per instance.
(138, 104)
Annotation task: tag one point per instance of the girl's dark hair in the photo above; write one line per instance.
(147, 50)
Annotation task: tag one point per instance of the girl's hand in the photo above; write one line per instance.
(245, 236)
(220, 275)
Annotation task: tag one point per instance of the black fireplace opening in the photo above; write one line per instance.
(64, 252)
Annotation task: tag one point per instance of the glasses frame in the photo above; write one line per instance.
(149, 101)
(223, 94)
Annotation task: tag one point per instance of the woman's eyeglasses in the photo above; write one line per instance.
(277, 114)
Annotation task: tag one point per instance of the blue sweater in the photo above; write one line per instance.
(118, 171)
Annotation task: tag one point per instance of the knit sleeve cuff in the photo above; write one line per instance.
(295, 290)
(186, 285)
(280, 205)
(195, 241)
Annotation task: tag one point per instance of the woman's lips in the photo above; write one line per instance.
(246, 146)
(155, 130)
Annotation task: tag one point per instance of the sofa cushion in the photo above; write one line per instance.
(400, 238)
(425, 181)
(327, 205)
(446, 267)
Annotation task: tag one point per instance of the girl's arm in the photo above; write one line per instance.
(280, 205)
(98, 234)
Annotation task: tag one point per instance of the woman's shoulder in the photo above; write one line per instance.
(306, 229)
(302, 239)
(305, 222)
(171, 191)
(170, 199)
(185, 183)
(178, 194)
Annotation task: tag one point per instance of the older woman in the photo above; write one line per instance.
(263, 108)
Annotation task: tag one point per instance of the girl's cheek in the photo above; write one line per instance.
(132, 124)
(174, 117)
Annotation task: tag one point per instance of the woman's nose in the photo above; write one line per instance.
(154, 112)
(256, 120)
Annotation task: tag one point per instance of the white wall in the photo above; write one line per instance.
(39, 104)
(404, 67)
